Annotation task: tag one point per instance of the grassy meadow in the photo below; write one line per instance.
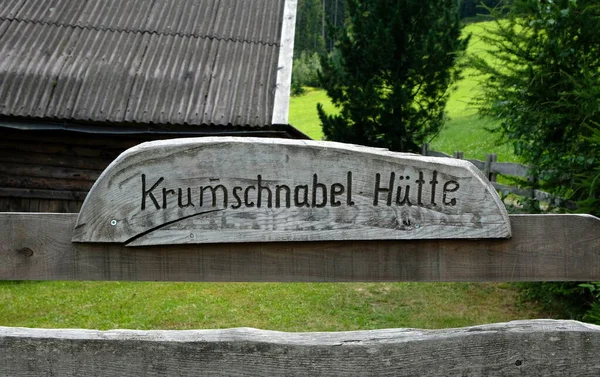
(274, 306)
(286, 307)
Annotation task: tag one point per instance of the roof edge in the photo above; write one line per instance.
(27, 124)
(293, 131)
(283, 82)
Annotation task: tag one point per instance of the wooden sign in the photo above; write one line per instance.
(214, 190)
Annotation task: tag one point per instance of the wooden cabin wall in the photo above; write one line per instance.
(10, 204)
(52, 171)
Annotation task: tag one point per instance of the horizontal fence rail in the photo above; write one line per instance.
(522, 348)
(38, 246)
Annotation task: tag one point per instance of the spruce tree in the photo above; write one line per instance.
(391, 72)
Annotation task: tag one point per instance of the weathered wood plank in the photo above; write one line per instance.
(521, 348)
(12, 156)
(41, 183)
(281, 102)
(438, 154)
(205, 190)
(42, 194)
(510, 168)
(63, 148)
(39, 171)
(543, 248)
(478, 164)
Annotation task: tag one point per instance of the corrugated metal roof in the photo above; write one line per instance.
(256, 21)
(161, 61)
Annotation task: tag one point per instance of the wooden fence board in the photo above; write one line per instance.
(521, 348)
(543, 248)
(438, 154)
(478, 164)
(510, 168)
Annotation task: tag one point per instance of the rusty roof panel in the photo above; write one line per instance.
(163, 61)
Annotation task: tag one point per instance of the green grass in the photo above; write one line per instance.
(466, 131)
(303, 112)
(286, 307)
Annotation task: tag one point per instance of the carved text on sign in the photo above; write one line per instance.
(158, 194)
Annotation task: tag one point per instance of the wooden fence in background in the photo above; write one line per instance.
(491, 168)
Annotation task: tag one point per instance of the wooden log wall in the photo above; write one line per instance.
(52, 171)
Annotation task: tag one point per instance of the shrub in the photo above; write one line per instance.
(305, 72)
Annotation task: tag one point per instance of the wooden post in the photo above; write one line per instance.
(487, 169)
(459, 155)
(425, 149)
(493, 174)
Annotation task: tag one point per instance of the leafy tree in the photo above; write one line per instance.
(473, 8)
(312, 17)
(335, 15)
(305, 72)
(467, 8)
(310, 39)
(309, 28)
(391, 71)
(541, 82)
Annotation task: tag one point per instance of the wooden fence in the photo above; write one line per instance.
(543, 247)
(39, 246)
(491, 168)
